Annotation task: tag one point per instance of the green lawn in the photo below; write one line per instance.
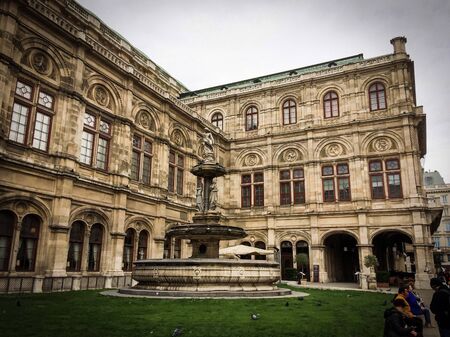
(87, 313)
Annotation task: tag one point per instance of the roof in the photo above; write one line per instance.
(275, 76)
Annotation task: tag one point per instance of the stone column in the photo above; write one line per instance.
(57, 251)
(318, 259)
(423, 259)
(367, 278)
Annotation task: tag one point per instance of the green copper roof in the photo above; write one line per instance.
(276, 76)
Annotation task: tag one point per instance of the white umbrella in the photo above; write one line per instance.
(244, 250)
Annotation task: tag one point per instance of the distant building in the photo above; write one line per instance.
(438, 193)
(97, 141)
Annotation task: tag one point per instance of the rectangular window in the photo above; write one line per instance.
(292, 186)
(35, 107)
(252, 183)
(385, 173)
(436, 242)
(19, 121)
(176, 172)
(444, 199)
(87, 143)
(328, 190)
(447, 227)
(141, 160)
(41, 131)
(95, 142)
(448, 242)
(336, 177)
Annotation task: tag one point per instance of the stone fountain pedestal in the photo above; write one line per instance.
(204, 274)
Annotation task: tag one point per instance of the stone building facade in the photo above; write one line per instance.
(97, 141)
(438, 193)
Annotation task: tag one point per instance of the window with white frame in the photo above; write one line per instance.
(95, 141)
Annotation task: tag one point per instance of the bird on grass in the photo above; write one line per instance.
(254, 316)
(287, 304)
(177, 332)
(300, 298)
(385, 302)
(18, 303)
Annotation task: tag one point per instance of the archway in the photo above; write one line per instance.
(287, 264)
(342, 258)
(395, 254)
(248, 256)
(302, 250)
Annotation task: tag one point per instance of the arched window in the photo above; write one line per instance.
(260, 245)
(142, 245)
(128, 250)
(29, 237)
(377, 96)
(251, 119)
(246, 257)
(75, 246)
(289, 112)
(217, 120)
(331, 105)
(7, 223)
(95, 247)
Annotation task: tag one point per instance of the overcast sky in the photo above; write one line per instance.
(207, 43)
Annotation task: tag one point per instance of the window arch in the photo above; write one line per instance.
(331, 105)
(76, 240)
(377, 96)
(128, 250)
(246, 257)
(289, 112)
(29, 238)
(251, 118)
(142, 245)
(260, 245)
(217, 120)
(7, 224)
(95, 247)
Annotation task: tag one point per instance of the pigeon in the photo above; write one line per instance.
(385, 302)
(300, 298)
(177, 332)
(287, 304)
(254, 316)
(18, 303)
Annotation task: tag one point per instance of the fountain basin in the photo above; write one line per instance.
(206, 277)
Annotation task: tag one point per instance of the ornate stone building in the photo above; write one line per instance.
(438, 193)
(97, 141)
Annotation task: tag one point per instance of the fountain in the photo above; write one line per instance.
(204, 274)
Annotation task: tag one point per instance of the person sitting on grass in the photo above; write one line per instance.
(411, 319)
(395, 321)
(417, 306)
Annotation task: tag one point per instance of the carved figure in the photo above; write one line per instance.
(199, 198)
(208, 149)
(213, 195)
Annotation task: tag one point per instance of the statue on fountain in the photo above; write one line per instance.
(208, 149)
(213, 195)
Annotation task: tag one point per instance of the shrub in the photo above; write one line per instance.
(383, 276)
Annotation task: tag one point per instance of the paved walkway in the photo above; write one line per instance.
(426, 295)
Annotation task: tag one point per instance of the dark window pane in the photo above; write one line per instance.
(327, 170)
(394, 185)
(344, 189)
(258, 177)
(28, 241)
(180, 174)
(299, 192)
(259, 195)
(298, 173)
(246, 196)
(342, 169)
(285, 193)
(285, 175)
(377, 186)
(146, 170)
(7, 223)
(392, 164)
(246, 179)
(135, 165)
(375, 166)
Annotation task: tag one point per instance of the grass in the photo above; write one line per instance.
(87, 313)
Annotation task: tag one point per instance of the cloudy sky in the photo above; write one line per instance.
(206, 43)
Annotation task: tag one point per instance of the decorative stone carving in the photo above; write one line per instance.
(101, 95)
(382, 144)
(145, 120)
(177, 138)
(334, 150)
(290, 155)
(208, 149)
(251, 160)
(40, 63)
(21, 207)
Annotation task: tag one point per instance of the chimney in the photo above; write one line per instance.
(399, 44)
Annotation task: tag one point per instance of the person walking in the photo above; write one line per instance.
(395, 321)
(440, 306)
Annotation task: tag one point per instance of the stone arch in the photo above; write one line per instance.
(90, 215)
(331, 232)
(24, 204)
(31, 44)
(213, 111)
(249, 103)
(404, 231)
(146, 118)
(289, 95)
(333, 148)
(103, 93)
(179, 136)
(392, 142)
(256, 236)
(251, 158)
(139, 223)
(385, 80)
(332, 87)
(289, 153)
(293, 237)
